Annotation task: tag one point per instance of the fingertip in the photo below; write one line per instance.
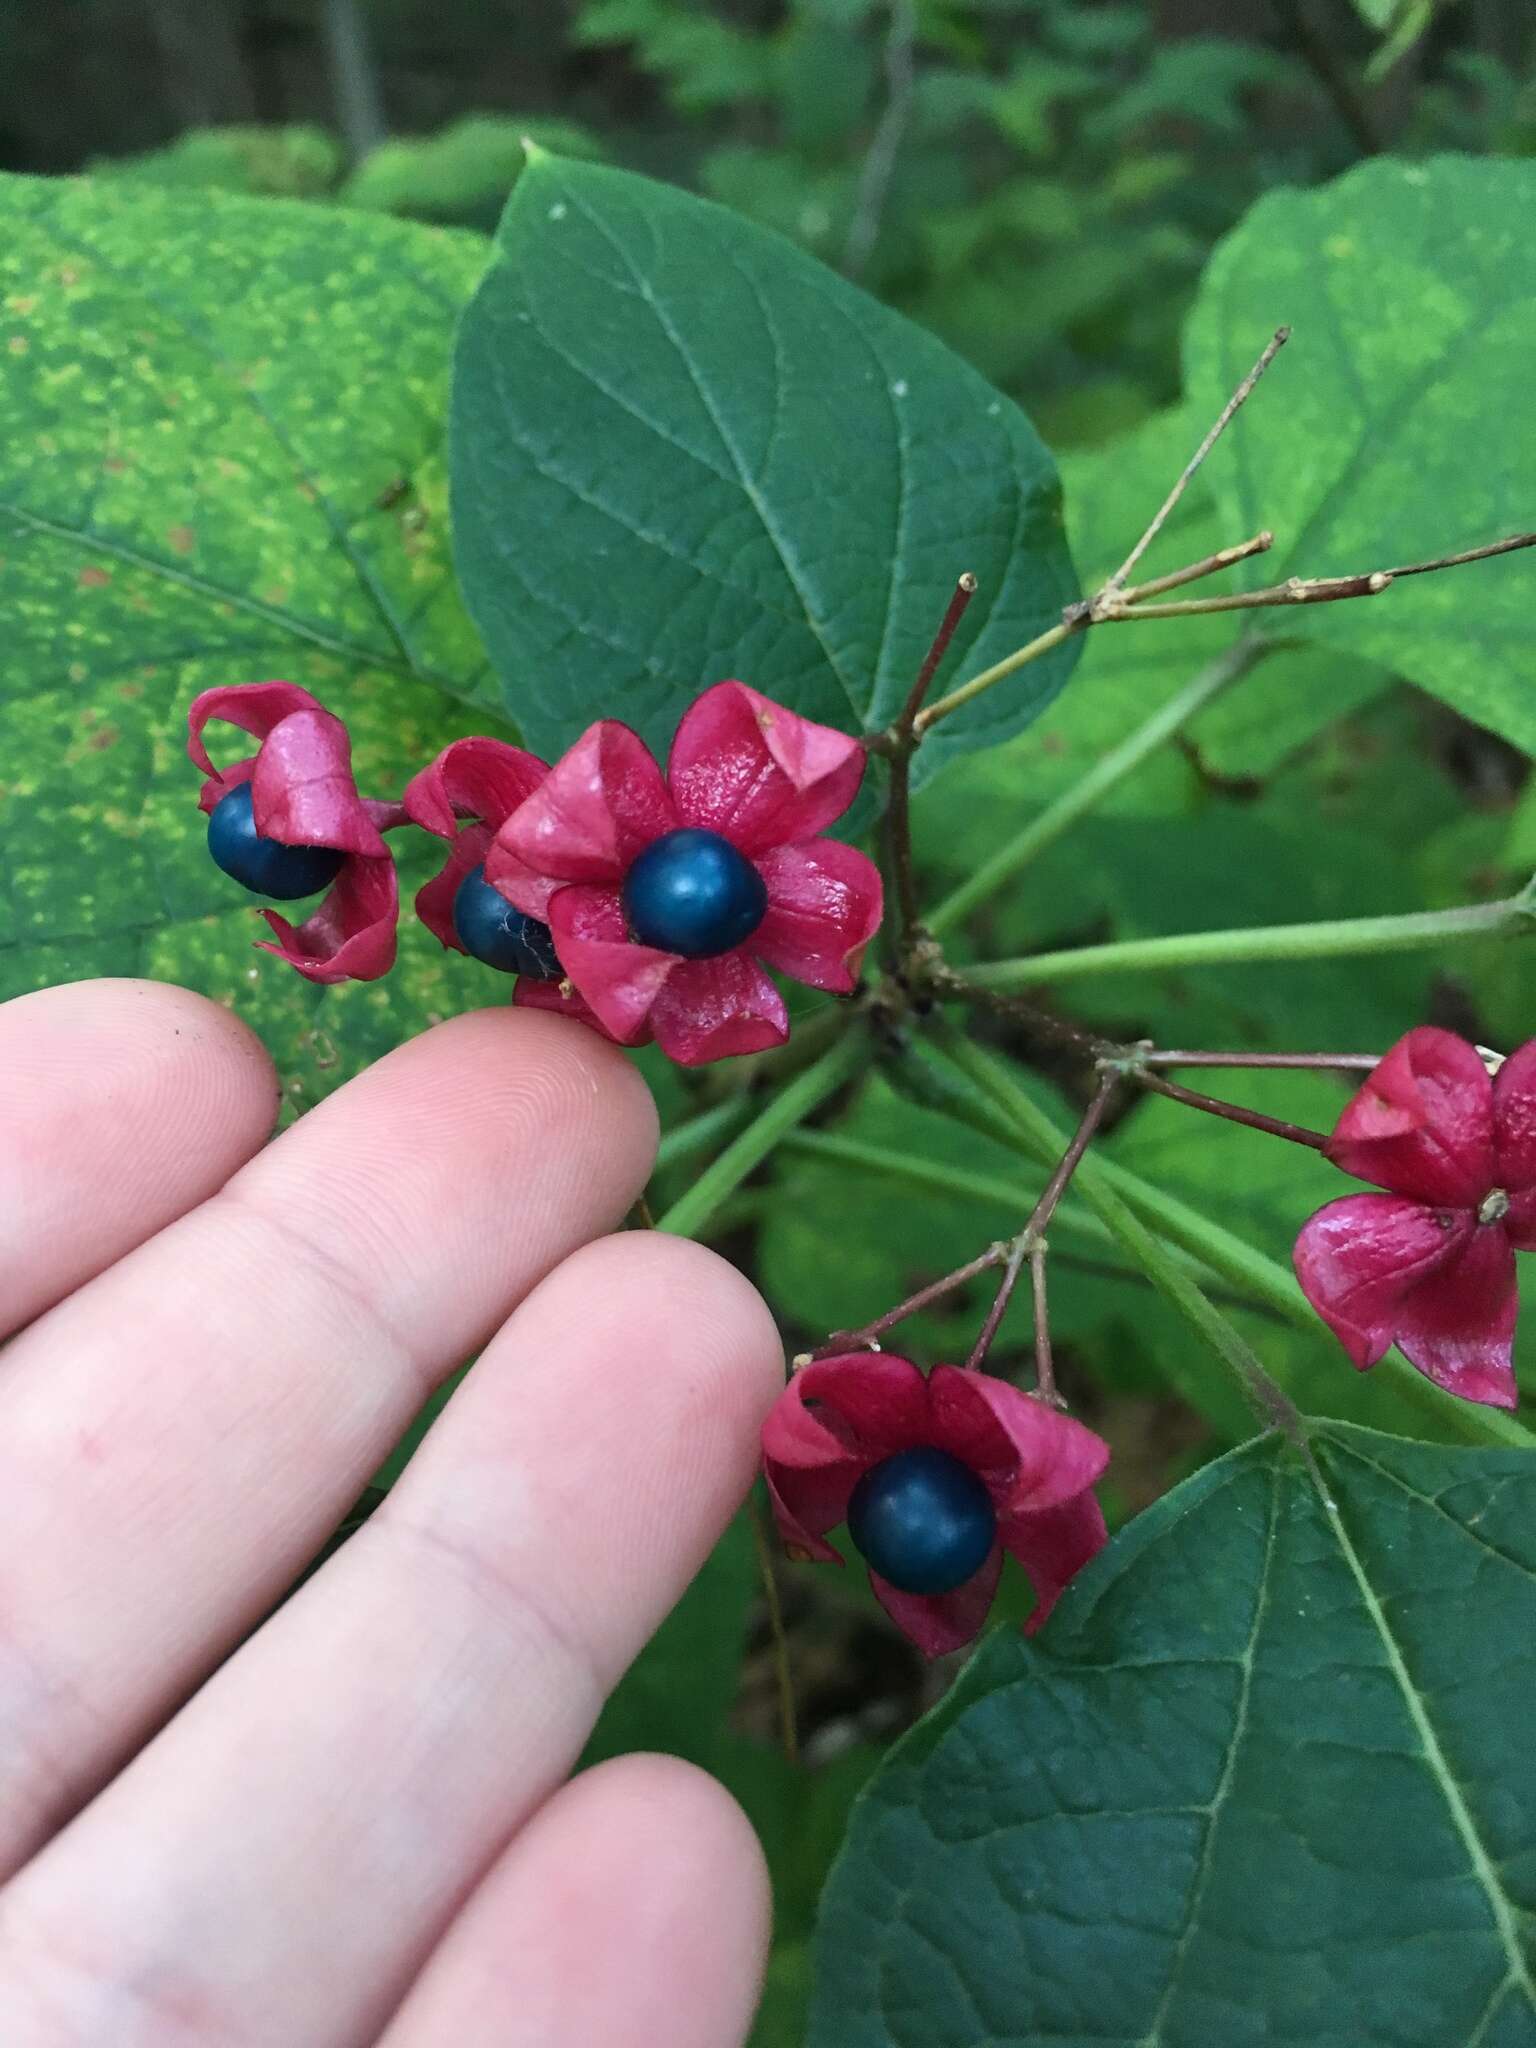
(123, 1103)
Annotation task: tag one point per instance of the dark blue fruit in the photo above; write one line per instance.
(691, 892)
(922, 1520)
(495, 931)
(265, 866)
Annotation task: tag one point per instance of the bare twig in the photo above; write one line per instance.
(1032, 1234)
(868, 1334)
(1341, 1062)
(1294, 590)
(902, 742)
(1482, 554)
(788, 1730)
(1233, 1112)
(1045, 1365)
(1208, 565)
(1273, 347)
(999, 1308)
(885, 145)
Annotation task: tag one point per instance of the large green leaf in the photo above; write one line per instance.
(683, 450)
(220, 423)
(1267, 1778)
(1398, 424)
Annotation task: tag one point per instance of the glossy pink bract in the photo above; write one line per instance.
(765, 779)
(303, 794)
(838, 1417)
(1430, 1264)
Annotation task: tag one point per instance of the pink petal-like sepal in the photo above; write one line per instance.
(302, 791)
(619, 980)
(303, 794)
(477, 779)
(1430, 1267)
(1052, 1545)
(351, 937)
(601, 804)
(465, 796)
(824, 907)
(1514, 1121)
(743, 769)
(712, 1009)
(841, 1417)
(762, 775)
(253, 708)
(1422, 1123)
(1381, 1270)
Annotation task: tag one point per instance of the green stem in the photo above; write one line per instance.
(700, 1132)
(1106, 774)
(1330, 939)
(1032, 1133)
(1010, 663)
(1042, 1137)
(792, 1105)
(935, 1177)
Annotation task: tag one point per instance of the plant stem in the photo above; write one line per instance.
(791, 1106)
(1223, 1252)
(1106, 774)
(1233, 1112)
(1031, 651)
(1233, 405)
(1320, 1062)
(1329, 939)
(1045, 1208)
(867, 1334)
(1038, 1132)
(934, 1177)
(898, 815)
(1018, 1252)
(699, 1132)
(1208, 565)
(1045, 1364)
(789, 1732)
(1295, 590)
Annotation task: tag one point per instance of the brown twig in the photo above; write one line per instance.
(1045, 1364)
(1233, 1112)
(1031, 1235)
(1340, 1062)
(1208, 565)
(1482, 554)
(902, 741)
(1223, 420)
(1294, 590)
(788, 1729)
(869, 1333)
(1000, 1301)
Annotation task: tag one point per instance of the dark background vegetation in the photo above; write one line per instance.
(1038, 180)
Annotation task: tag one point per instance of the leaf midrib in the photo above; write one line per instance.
(1505, 1912)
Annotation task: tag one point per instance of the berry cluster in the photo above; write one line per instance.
(649, 904)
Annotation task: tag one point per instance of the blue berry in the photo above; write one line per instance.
(922, 1520)
(693, 893)
(265, 866)
(495, 931)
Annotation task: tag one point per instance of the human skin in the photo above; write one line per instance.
(351, 1823)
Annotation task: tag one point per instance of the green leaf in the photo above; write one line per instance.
(220, 423)
(1265, 1778)
(683, 450)
(1397, 424)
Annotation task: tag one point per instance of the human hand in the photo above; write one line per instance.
(352, 1828)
